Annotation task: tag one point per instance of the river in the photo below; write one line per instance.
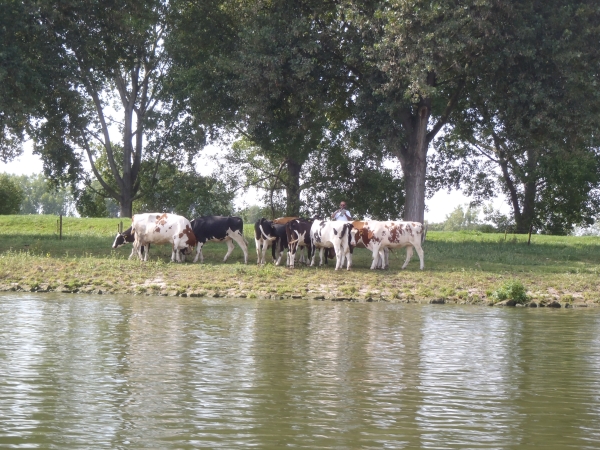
(136, 372)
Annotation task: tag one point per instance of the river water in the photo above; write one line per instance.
(137, 372)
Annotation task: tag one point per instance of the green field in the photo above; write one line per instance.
(461, 267)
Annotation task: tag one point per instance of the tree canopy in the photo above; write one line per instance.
(324, 99)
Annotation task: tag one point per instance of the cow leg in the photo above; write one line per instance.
(266, 244)
(375, 256)
(339, 256)
(199, 253)
(258, 250)
(230, 248)
(237, 237)
(313, 254)
(409, 253)
(386, 258)
(421, 255)
(349, 256)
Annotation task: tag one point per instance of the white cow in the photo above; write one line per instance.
(380, 236)
(339, 235)
(159, 228)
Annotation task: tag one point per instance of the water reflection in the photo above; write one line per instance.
(140, 372)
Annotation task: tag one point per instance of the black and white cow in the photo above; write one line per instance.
(298, 237)
(280, 244)
(264, 236)
(339, 235)
(219, 229)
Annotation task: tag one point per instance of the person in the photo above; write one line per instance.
(342, 214)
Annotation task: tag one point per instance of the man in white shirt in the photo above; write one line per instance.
(342, 214)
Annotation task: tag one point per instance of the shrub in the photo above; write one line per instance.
(511, 290)
(11, 195)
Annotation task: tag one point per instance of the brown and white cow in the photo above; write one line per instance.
(160, 229)
(298, 238)
(339, 235)
(378, 236)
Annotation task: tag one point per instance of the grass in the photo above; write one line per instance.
(461, 267)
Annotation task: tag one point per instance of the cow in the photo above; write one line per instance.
(159, 228)
(339, 235)
(380, 236)
(284, 220)
(264, 236)
(298, 237)
(219, 229)
(280, 244)
(360, 243)
(127, 237)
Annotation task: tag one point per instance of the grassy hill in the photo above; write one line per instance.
(461, 267)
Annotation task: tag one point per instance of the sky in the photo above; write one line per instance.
(437, 207)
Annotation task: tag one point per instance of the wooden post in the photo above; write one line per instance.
(60, 232)
(121, 226)
(529, 240)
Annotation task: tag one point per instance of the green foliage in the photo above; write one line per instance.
(91, 204)
(186, 193)
(11, 195)
(521, 134)
(459, 219)
(44, 197)
(511, 290)
(369, 189)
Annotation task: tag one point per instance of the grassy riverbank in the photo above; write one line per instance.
(459, 267)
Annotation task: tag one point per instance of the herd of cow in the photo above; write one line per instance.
(296, 235)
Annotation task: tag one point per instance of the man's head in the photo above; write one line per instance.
(343, 205)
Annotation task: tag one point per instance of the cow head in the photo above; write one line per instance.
(120, 240)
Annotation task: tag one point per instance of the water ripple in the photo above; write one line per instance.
(139, 372)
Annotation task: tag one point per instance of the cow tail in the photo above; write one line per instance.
(424, 233)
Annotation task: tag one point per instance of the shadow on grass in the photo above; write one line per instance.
(451, 254)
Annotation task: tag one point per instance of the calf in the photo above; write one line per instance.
(381, 236)
(298, 237)
(339, 235)
(219, 229)
(158, 228)
(264, 235)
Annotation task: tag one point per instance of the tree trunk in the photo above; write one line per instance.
(126, 206)
(413, 160)
(292, 188)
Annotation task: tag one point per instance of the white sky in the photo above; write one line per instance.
(439, 206)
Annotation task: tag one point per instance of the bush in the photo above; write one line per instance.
(11, 195)
(511, 290)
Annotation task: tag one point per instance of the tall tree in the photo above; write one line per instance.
(108, 87)
(269, 77)
(533, 122)
(24, 73)
(412, 65)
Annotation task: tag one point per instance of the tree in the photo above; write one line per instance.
(409, 67)
(24, 73)
(268, 78)
(523, 124)
(108, 60)
(43, 197)
(186, 193)
(11, 195)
